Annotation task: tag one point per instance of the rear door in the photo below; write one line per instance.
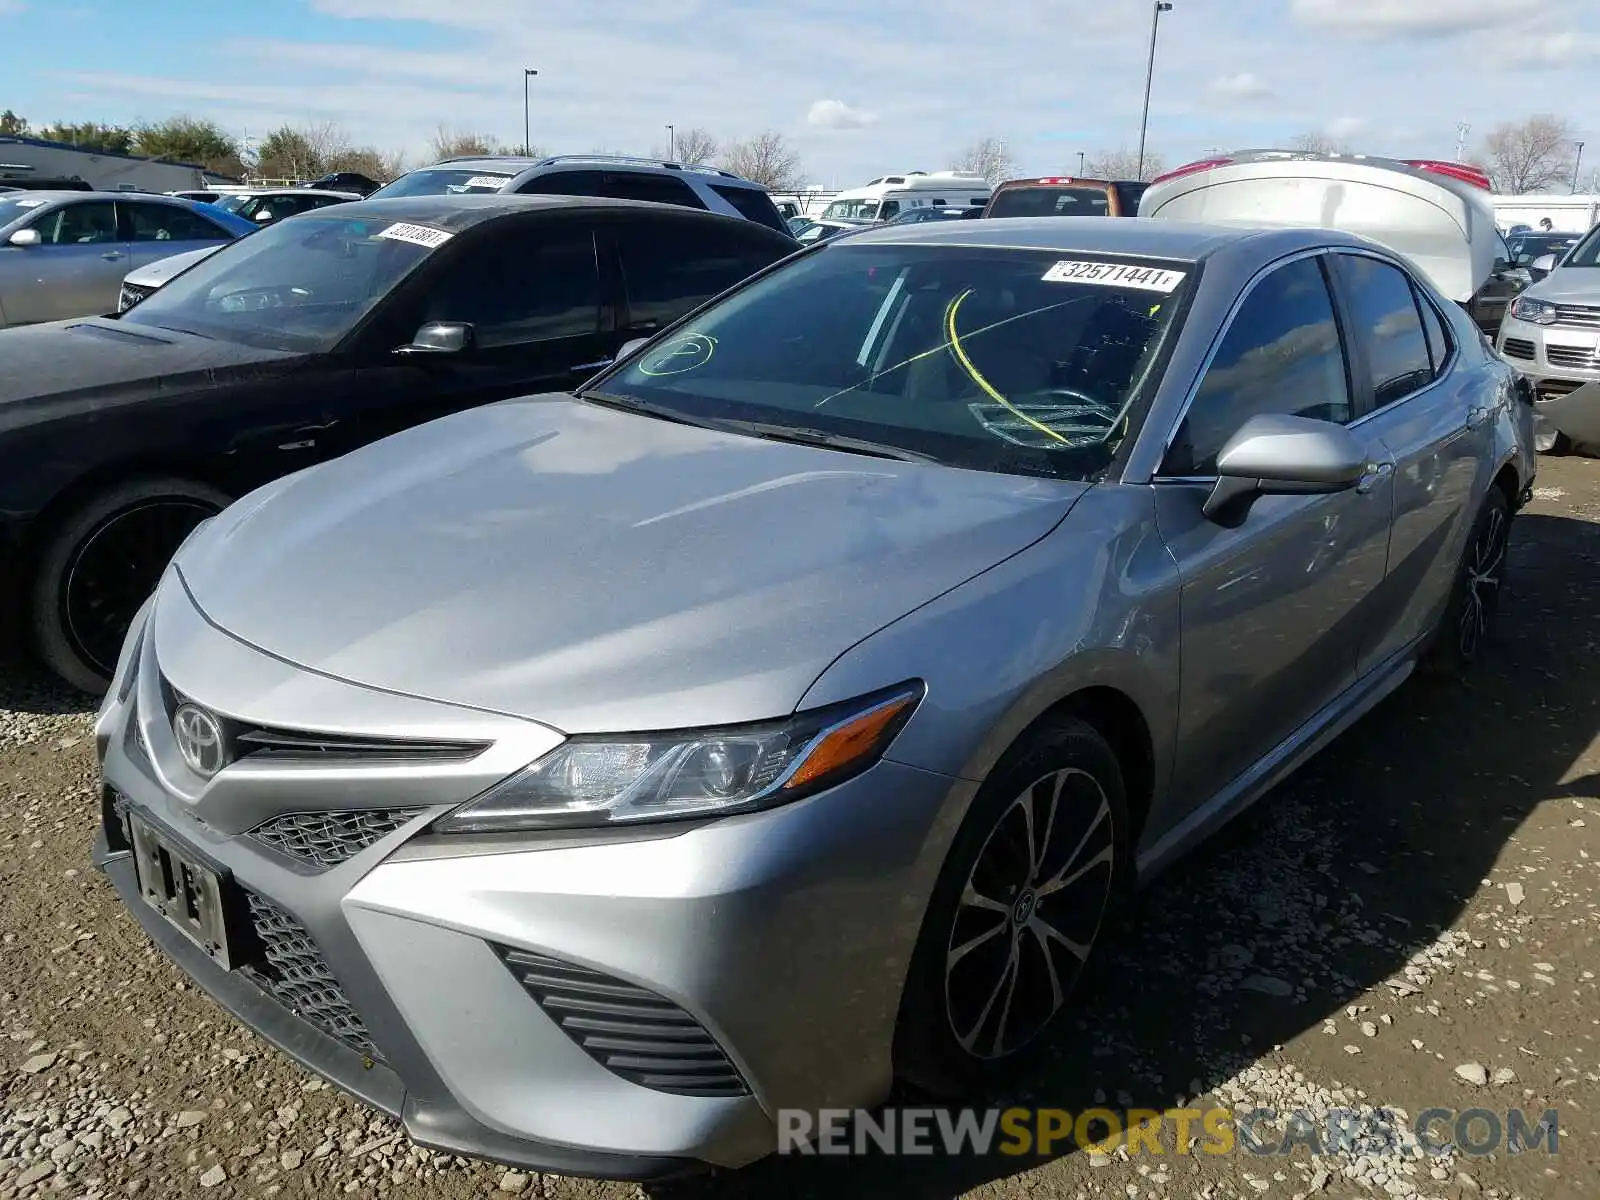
(77, 269)
(670, 265)
(530, 288)
(1424, 413)
(156, 231)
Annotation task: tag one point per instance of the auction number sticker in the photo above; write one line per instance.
(492, 182)
(417, 235)
(1125, 275)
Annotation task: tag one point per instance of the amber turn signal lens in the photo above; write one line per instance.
(855, 739)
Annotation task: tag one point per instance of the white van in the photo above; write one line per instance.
(1566, 214)
(890, 195)
(1439, 215)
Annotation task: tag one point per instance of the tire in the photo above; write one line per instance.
(946, 1041)
(1470, 614)
(100, 563)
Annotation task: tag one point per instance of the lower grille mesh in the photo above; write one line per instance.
(327, 839)
(632, 1032)
(296, 975)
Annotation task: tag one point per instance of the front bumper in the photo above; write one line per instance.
(777, 940)
(1556, 360)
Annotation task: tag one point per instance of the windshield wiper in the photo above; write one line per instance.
(628, 404)
(804, 436)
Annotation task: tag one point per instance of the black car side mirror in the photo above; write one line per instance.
(1276, 454)
(441, 337)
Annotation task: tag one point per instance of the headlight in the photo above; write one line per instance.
(1539, 312)
(594, 780)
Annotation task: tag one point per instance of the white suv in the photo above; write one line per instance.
(612, 175)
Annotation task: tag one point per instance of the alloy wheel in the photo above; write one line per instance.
(1029, 914)
(115, 569)
(1485, 570)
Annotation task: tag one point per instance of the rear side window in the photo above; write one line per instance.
(1281, 354)
(1384, 308)
(1439, 343)
(669, 268)
(660, 189)
(753, 205)
(168, 223)
(1050, 202)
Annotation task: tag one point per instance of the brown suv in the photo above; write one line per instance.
(1064, 196)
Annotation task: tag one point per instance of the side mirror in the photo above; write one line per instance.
(1502, 264)
(441, 337)
(630, 346)
(1545, 263)
(1273, 454)
(25, 237)
(263, 216)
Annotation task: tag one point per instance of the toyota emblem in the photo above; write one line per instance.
(200, 741)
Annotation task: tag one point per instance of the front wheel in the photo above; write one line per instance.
(1474, 605)
(1014, 917)
(101, 563)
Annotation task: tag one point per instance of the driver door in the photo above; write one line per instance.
(76, 270)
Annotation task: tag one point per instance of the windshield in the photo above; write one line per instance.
(1025, 362)
(867, 209)
(297, 285)
(14, 208)
(1586, 253)
(1050, 202)
(443, 181)
(232, 203)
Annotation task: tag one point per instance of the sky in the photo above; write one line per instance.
(860, 89)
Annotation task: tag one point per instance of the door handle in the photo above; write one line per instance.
(1376, 474)
(598, 364)
(1477, 418)
(112, 255)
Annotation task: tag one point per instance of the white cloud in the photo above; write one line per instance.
(1555, 49)
(1414, 18)
(1243, 86)
(836, 114)
(1345, 127)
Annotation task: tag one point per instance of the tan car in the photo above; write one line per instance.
(1064, 196)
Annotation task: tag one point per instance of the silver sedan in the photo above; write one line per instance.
(589, 778)
(64, 254)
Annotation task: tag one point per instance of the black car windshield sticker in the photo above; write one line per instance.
(417, 235)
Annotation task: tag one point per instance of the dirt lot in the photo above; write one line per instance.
(1412, 922)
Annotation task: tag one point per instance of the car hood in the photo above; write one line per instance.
(93, 361)
(599, 570)
(157, 273)
(1568, 285)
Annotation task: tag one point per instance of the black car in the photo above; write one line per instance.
(314, 336)
(345, 181)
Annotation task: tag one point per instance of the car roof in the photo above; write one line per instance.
(464, 211)
(1148, 237)
(45, 195)
(516, 164)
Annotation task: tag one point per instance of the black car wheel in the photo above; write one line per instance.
(1469, 617)
(1014, 918)
(101, 563)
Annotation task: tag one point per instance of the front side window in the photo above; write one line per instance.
(169, 223)
(79, 224)
(1384, 308)
(1019, 361)
(669, 269)
(522, 286)
(659, 189)
(866, 210)
(298, 286)
(1281, 354)
(563, 183)
(1586, 253)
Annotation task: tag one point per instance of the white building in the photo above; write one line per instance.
(24, 158)
(1567, 214)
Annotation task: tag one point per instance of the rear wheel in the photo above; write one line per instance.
(1474, 605)
(101, 563)
(1014, 918)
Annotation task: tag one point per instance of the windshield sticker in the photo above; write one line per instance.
(29, 203)
(417, 235)
(679, 355)
(1150, 279)
(495, 182)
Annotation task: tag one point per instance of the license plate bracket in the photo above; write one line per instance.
(184, 890)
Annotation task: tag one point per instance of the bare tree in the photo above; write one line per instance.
(988, 157)
(1124, 164)
(381, 165)
(1531, 155)
(457, 143)
(1319, 143)
(692, 146)
(767, 159)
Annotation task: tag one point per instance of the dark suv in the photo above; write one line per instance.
(315, 335)
(614, 176)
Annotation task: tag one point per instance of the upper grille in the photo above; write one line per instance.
(1572, 356)
(1577, 314)
(1517, 348)
(130, 295)
(326, 839)
(296, 975)
(632, 1032)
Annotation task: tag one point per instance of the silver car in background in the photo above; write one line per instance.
(64, 254)
(588, 777)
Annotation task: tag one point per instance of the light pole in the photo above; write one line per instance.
(527, 117)
(1081, 167)
(1159, 7)
(1576, 159)
(1461, 140)
(672, 144)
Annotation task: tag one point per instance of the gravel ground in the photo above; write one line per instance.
(1412, 922)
